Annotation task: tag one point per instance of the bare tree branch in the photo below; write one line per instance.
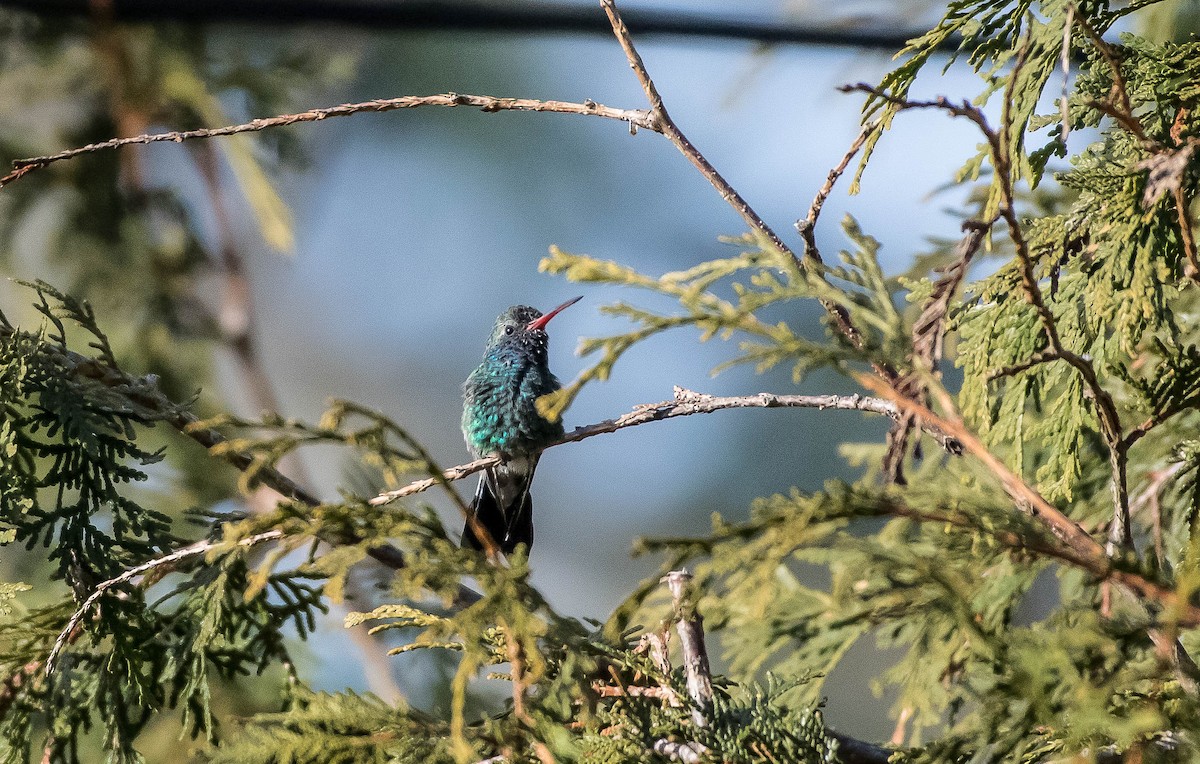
(667, 127)
(808, 225)
(685, 403)
(635, 117)
(672, 132)
(689, 624)
(1122, 112)
(1187, 235)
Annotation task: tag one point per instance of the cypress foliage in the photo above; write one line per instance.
(1066, 454)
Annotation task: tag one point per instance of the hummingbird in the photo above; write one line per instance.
(500, 417)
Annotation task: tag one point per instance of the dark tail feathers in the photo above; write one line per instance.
(507, 526)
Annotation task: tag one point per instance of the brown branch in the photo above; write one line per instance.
(807, 230)
(685, 403)
(928, 332)
(839, 314)
(1037, 359)
(1081, 548)
(807, 226)
(437, 476)
(1124, 112)
(1187, 235)
(637, 118)
(665, 125)
(1143, 429)
(1186, 670)
(1026, 498)
(636, 691)
(1011, 539)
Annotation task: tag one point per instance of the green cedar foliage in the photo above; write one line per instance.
(1080, 373)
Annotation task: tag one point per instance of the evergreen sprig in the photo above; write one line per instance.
(1074, 483)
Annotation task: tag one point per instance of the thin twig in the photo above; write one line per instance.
(1036, 359)
(636, 691)
(1123, 113)
(666, 126)
(1063, 527)
(807, 226)
(685, 403)
(438, 477)
(928, 335)
(807, 230)
(1187, 235)
(192, 550)
(637, 118)
(1017, 542)
(929, 330)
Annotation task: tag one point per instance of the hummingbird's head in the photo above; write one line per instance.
(523, 325)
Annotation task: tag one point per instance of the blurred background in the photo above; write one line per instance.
(367, 257)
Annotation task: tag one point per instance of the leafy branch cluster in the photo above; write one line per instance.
(1073, 349)
(163, 641)
(71, 455)
(1037, 572)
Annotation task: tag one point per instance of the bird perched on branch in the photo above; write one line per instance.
(500, 417)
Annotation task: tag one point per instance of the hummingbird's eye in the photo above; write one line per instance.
(509, 329)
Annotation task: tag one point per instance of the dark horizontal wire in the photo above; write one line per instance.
(520, 17)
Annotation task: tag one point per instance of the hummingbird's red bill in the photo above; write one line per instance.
(540, 323)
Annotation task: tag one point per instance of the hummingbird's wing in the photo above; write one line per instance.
(503, 505)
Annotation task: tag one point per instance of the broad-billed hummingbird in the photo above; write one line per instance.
(500, 417)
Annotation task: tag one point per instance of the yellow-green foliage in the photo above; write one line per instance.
(938, 570)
